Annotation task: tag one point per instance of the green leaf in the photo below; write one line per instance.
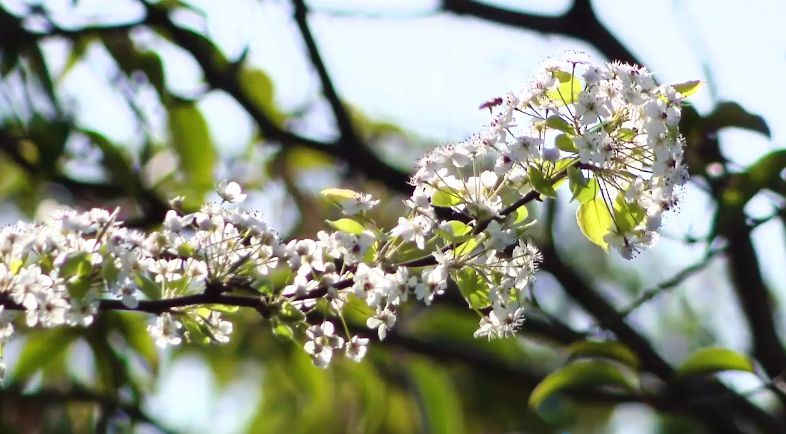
(730, 114)
(258, 86)
(567, 92)
(562, 76)
(192, 142)
(49, 136)
(133, 329)
(467, 247)
(579, 375)
(151, 289)
(347, 225)
(521, 214)
(299, 159)
(540, 183)
(42, 348)
(627, 215)
(583, 189)
(594, 221)
(560, 124)
(473, 287)
(437, 397)
(339, 195)
(626, 134)
(112, 158)
(223, 308)
(445, 198)
(282, 331)
(565, 143)
(75, 264)
(290, 313)
(687, 88)
(453, 230)
(607, 349)
(715, 359)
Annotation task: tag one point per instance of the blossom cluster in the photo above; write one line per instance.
(609, 130)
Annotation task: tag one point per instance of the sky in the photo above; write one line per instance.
(400, 61)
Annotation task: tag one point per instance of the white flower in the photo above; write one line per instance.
(415, 229)
(433, 282)
(166, 331)
(174, 223)
(356, 348)
(383, 320)
(501, 322)
(361, 202)
(369, 284)
(299, 287)
(321, 343)
(230, 192)
(219, 328)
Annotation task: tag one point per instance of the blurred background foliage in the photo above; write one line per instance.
(93, 113)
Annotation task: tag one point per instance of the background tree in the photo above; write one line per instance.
(429, 373)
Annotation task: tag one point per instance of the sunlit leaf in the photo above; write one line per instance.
(453, 230)
(539, 182)
(583, 189)
(715, 359)
(579, 375)
(347, 225)
(467, 247)
(607, 349)
(192, 142)
(566, 92)
(258, 86)
(687, 88)
(627, 215)
(439, 401)
(41, 348)
(521, 214)
(445, 198)
(594, 221)
(558, 123)
(473, 287)
(730, 114)
(565, 143)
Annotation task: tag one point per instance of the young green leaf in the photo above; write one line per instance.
(453, 230)
(192, 142)
(466, 248)
(540, 183)
(715, 359)
(560, 124)
(627, 215)
(339, 195)
(687, 88)
(594, 221)
(521, 214)
(473, 287)
(347, 225)
(583, 189)
(580, 374)
(563, 142)
(566, 92)
(445, 198)
(607, 349)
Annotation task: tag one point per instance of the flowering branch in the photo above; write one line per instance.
(607, 132)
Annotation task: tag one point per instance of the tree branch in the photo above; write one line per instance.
(720, 418)
(580, 22)
(219, 74)
(80, 394)
(754, 296)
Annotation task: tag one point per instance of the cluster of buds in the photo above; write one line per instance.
(610, 131)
